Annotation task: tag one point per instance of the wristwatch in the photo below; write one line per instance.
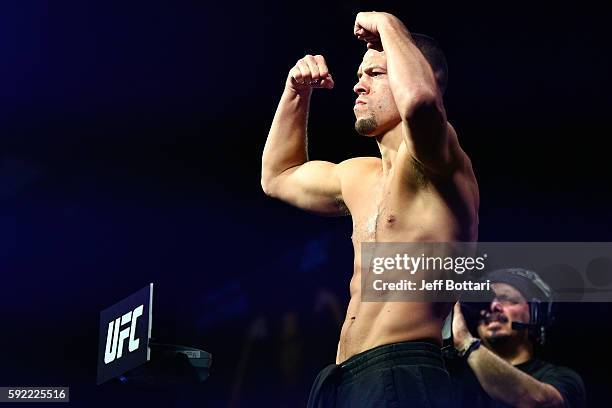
(473, 346)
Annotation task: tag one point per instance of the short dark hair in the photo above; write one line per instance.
(433, 54)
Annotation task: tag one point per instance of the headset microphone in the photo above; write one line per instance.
(522, 325)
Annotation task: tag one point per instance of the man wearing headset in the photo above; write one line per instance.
(501, 360)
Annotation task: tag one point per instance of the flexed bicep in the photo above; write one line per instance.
(314, 186)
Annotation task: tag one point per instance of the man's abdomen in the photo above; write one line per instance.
(371, 324)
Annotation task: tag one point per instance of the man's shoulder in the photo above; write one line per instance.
(358, 174)
(565, 372)
(359, 166)
(541, 367)
(554, 374)
(363, 161)
(567, 381)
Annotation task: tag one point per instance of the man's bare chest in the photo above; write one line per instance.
(375, 210)
(385, 213)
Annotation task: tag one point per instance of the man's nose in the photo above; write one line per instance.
(496, 306)
(360, 87)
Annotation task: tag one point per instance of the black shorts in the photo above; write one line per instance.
(408, 374)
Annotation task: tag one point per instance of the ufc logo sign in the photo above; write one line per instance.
(116, 337)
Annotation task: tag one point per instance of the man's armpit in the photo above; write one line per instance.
(342, 206)
(418, 173)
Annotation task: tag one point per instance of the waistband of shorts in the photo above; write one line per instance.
(407, 352)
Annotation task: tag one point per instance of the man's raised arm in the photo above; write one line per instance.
(413, 84)
(286, 173)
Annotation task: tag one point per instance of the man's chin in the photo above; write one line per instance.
(366, 126)
(498, 338)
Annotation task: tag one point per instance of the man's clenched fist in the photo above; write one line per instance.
(368, 24)
(310, 72)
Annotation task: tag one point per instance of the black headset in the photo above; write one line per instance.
(540, 307)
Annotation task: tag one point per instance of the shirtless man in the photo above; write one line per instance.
(421, 189)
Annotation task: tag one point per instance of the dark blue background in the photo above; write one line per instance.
(130, 144)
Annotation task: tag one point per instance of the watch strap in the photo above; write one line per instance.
(473, 346)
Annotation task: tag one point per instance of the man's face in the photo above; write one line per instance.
(507, 307)
(375, 109)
